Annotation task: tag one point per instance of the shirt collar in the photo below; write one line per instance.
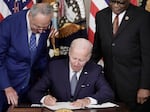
(71, 72)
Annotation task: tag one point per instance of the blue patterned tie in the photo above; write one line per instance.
(33, 47)
(73, 83)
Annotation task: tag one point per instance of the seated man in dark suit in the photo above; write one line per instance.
(91, 87)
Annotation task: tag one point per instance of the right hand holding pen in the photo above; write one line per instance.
(49, 100)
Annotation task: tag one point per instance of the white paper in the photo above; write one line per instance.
(104, 105)
(67, 105)
(62, 105)
(36, 105)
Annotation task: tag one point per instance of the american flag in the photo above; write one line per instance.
(97, 5)
(8, 7)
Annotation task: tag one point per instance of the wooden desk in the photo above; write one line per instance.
(122, 108)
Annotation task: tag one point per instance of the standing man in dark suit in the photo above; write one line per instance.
(126, 51)
(21, 56)
(91, 87)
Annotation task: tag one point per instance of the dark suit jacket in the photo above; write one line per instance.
(15, 59)
(127, 55)
(91, 83)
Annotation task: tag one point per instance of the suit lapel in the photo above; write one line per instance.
(66, 79)
(108, 16)
(22, 40)
(41, 43)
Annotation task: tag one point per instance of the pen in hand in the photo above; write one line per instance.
(49, 100)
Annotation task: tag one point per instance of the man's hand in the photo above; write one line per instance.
(49, 100)
(11, 95)
(81, 102)
(142, 95)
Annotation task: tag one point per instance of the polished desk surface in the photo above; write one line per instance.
(121, 108)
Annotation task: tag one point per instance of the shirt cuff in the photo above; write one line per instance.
(42, 100)
(92, 100)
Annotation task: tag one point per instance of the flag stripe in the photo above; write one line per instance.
(96, 5)
(1, 17)
(135, 2)
(92, 23)
(4, 10)
(100, 4)
(29, 5)
(94, 9)
(91, 35)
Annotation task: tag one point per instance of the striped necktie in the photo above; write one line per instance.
(33, 46)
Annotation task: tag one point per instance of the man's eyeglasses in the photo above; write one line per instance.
(41, 28)
(118, 2)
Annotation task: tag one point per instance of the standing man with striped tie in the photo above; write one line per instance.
(23, 52)
(122, 38)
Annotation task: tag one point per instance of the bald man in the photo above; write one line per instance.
(91, 86)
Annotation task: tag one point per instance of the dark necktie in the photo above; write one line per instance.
(115, 24)
(73, 83)
(33, 46)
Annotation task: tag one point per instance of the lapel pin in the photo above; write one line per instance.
(127, 18)
(82, 86)
(87, 85)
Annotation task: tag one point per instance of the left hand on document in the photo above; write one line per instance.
(49, 100)
(81, 102)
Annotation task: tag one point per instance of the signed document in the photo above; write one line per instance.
(67, 105)
(62, 105)
(103, 105)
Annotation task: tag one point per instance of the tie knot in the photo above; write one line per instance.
(33, 33)
(75, 75)
(75, 72)
(116, 18)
